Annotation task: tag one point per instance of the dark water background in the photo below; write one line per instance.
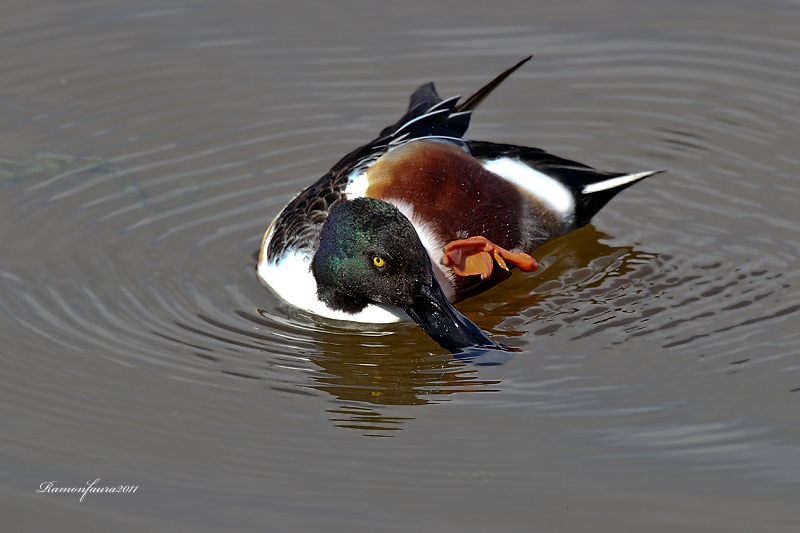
(145, 147)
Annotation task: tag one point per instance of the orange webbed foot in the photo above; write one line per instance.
(477, 255)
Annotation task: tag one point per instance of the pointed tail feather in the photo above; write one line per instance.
(472, 102)
(619, 181)
(591, 197)
(425, 99)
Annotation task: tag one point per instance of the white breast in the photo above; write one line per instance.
(292, 280)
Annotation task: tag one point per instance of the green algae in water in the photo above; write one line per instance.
(44, 166)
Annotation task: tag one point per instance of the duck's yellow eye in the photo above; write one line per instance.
(378, 261)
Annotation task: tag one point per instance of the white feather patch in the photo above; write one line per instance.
(550, 191)
(613, 183)
(357, 184)
(432, 243)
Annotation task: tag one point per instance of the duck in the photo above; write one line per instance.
(421, 218)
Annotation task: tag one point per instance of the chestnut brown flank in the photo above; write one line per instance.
(478, 202)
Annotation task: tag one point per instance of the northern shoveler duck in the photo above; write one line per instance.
(420, 218)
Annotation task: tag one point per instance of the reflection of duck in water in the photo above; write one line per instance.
(371, 384)
(576, 268)
(420, 217)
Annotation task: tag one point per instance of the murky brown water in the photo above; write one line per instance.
(145, 148)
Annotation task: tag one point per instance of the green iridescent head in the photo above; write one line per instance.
(370, 253)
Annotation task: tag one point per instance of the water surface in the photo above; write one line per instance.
(145, 148)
